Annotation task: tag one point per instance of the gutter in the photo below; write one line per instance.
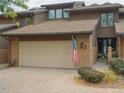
(95, 8)
(53, 33)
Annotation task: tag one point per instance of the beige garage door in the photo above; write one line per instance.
(56, 54)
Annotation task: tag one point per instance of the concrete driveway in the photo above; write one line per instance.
(43, 80)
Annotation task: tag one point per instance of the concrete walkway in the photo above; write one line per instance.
(41, 80)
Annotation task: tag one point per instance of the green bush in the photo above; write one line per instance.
(117, 65)
(81, 71)
(90, 75)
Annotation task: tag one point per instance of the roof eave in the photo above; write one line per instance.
(8, 28)
(31, 12)
(94, 9)
(56, 33)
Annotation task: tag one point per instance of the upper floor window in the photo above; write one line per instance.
(107, 19)
(51, 14)
(58, 14)
(25, 21)
(66, 14)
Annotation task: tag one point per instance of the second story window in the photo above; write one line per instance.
(57, 14)
(66, 14)
(25, 21)
(51, 14)
(107, 19)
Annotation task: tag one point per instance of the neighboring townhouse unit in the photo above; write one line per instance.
(24, 18)
(47, 42)
(119, 27)
(4, 43)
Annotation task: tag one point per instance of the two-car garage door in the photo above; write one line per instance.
(56, 54)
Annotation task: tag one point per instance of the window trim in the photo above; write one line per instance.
(55, 14)
(107, 20)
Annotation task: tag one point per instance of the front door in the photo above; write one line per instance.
(103, 44)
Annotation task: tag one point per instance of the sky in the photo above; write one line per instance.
(37, 3)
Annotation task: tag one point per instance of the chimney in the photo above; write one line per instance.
(78, 5)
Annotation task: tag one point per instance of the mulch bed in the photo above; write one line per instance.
(118, 85)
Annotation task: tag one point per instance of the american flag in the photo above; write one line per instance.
(74, 51)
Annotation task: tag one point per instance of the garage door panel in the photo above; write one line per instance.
(45, 54)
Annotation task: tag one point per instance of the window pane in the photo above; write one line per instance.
(25, 21)
(51, 14)
(66, 14)
(58, 13)
(104, 20)
(110, 19)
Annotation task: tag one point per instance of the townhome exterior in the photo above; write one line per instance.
(47, 42)
(119, 33)
(24, 18)
(4, 43)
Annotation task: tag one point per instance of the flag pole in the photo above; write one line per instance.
(75, 59)
(73, 38)
(74, 41)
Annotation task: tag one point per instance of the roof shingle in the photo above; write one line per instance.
(97, 7)
(56, 27)
(4, 27)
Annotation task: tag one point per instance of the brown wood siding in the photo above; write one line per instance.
(15, 50)
(93, 47)
(46, 38)
(84, 53)
(3, 50)
(83, 16)
(3, 43)
(121, 47)
(101, 32)
(117, 15)
(39, 18)
(6, 21)
(105, 32)
(3, 56)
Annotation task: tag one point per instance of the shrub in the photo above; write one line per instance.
(81, 71)
(117, 65)
(90, 75)
(110, 77)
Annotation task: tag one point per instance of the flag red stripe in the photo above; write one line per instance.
(74, 56)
